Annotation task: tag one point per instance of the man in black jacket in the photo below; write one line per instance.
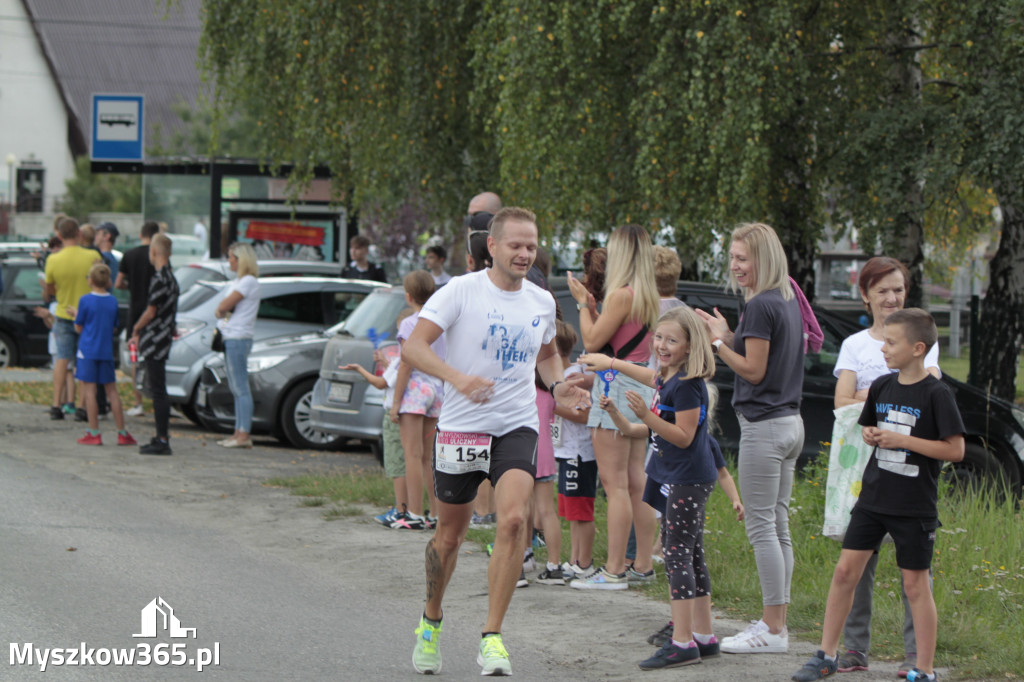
(360, 267)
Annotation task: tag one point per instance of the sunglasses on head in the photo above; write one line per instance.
(469, 237)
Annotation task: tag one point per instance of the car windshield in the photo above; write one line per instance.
(200, 293)
(378, 311)
(187, 275)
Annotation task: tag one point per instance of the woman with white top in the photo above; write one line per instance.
(883, 287)
(236, 316)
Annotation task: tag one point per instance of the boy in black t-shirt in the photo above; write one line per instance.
(912, 421)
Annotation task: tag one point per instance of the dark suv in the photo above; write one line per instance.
(995, 427)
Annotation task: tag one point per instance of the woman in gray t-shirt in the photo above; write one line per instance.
(766, 352)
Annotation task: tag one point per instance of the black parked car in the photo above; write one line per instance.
(23, 336)
(995, 427)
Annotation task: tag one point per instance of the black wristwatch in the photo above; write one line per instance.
(551, 388)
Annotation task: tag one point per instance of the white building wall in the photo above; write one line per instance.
(33, 121)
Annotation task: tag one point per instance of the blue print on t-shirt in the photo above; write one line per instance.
(509, 344)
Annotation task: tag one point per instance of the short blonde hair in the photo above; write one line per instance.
(667, 268)
(510, 214)
(162, 243)
(86, 235)
(99, 275)
(769, 258)
(246, 256)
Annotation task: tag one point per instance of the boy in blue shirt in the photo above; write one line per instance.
(913, 423)
(95, 322)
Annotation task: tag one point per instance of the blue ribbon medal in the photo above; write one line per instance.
(608, 376)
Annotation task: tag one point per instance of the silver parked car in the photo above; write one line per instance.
(282, 371)
(342, 402)
(219, 271)
(288, 305)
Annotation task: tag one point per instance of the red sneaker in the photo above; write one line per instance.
(89, 439)
(125, 439)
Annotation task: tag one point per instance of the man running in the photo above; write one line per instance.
(499, 329)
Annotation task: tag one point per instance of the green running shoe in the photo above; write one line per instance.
(493, 657)
(426, 657)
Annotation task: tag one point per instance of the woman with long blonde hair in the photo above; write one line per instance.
(767, 354)
(236, 316)
(623, 330)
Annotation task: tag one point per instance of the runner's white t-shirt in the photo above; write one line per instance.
(861, 353)
(497, 335)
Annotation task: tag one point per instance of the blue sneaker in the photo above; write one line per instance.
(817, 668)
(387, 517)
(671, 656)
(918, 675)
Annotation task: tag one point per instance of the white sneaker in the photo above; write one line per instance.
(574, 572)
(756, 639)
(136, 411)
(529, 564)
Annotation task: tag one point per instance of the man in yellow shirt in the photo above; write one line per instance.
(67, 280)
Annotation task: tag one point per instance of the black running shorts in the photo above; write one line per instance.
(914, 536)
(517, 449)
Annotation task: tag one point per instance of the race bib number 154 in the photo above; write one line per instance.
(460, 453)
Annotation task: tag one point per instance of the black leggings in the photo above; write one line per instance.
(682, 540)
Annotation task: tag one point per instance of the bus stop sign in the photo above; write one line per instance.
(117, 127)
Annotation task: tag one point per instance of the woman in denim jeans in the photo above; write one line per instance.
(237, 322)
(767, 354)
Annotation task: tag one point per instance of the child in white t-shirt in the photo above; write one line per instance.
(577, 470)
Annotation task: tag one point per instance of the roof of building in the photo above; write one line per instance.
(120, 47)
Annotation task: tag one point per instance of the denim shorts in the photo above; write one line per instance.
(617, 392)
(67, 338)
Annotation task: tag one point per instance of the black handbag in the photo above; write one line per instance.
(218, 342)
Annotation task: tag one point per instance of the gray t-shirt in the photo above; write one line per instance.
(768, 316)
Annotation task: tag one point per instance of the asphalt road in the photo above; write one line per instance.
(91, 535)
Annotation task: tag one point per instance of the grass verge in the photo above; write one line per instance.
(978, 569)
(41, 393)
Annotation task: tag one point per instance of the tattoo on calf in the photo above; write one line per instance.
(435, 572)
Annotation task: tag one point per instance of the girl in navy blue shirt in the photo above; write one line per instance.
(682, 460)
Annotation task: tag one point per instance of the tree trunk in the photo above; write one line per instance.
(906, 242)
(794, 205)
(1002, 310)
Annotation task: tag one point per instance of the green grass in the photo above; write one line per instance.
(978, 568)
(41, 393)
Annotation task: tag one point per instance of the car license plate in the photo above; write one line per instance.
(340, 392)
